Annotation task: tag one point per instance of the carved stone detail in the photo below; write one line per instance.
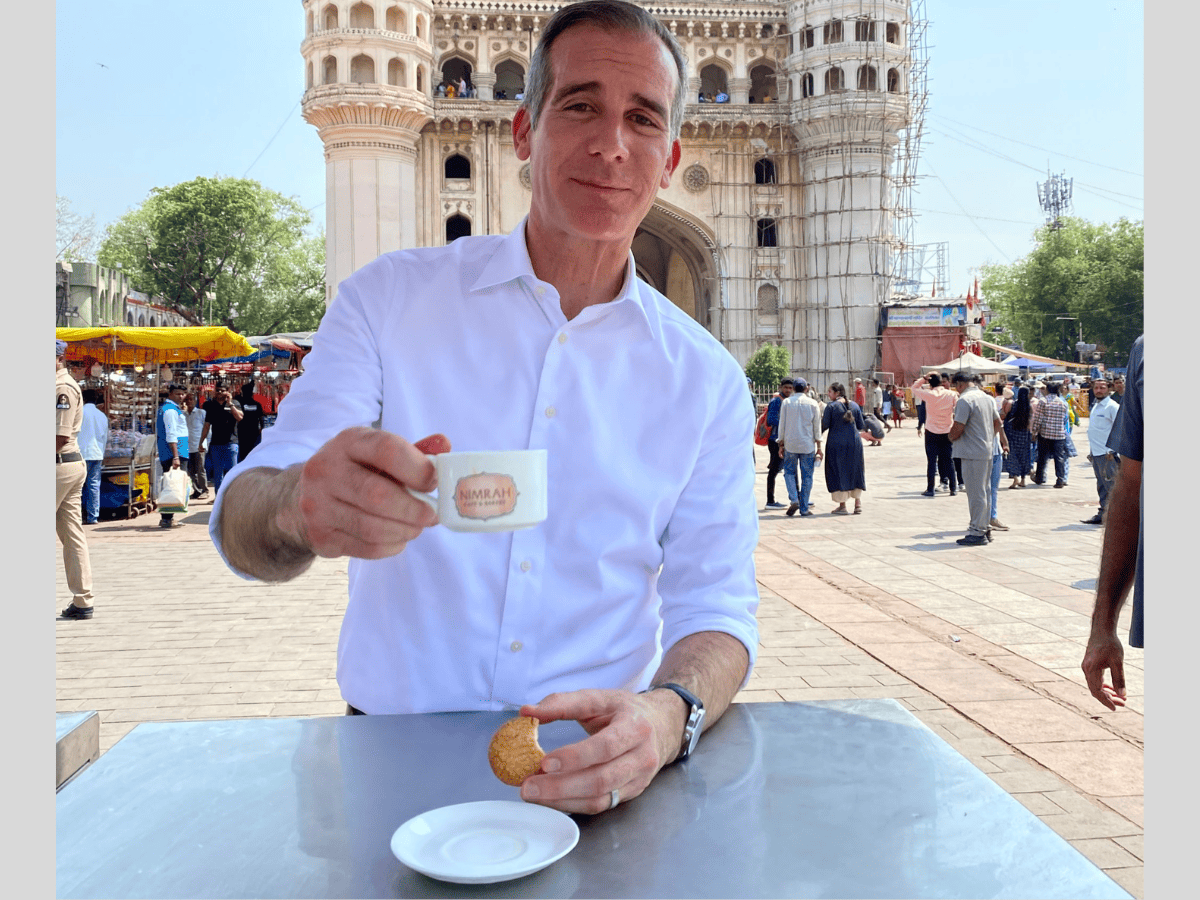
(695, 178)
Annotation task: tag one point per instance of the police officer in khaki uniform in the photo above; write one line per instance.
(70, 473)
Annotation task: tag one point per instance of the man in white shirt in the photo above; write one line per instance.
(1104, 462)
(800, 437)
(93, 438)
(197, 442)
(642, 574)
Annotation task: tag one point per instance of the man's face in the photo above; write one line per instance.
(177, 397)
(785, 390)
(1100, 389)
(1119, 386)
(602, 147)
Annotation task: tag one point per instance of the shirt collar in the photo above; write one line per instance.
(511, 262)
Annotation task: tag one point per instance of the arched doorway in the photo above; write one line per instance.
(675, 255)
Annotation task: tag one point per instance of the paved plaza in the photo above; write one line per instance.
(983, 644)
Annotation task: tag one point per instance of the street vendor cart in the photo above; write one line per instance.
(131, 366)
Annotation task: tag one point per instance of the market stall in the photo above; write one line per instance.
(130, 366)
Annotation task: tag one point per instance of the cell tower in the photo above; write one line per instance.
(1054, 195)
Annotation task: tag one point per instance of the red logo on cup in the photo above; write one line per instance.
(485, 496)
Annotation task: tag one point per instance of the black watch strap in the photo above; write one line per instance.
(691, 729)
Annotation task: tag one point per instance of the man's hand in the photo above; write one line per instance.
(632, 736)
(1104, 652)
(350, 497)
(175, 463)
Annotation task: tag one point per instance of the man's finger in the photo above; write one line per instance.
(1118, 678)
(577, 705)
(434, 444)
(390, 455)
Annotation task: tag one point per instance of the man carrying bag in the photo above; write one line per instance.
(172, 444)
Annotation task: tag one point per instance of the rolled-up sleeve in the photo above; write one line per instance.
(708, 581)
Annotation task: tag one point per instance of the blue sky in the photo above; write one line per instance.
(1016, 89)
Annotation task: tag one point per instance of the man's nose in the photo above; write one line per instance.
(608, 138)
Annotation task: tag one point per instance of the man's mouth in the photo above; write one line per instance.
(599, 185)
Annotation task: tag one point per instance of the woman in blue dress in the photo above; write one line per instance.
(845, 470)
(1017, 422)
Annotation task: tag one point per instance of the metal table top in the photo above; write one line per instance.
(833, 799)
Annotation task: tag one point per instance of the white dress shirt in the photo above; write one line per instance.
(649, 537)
(93, 433)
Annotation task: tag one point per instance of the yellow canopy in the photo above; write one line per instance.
(123, 346)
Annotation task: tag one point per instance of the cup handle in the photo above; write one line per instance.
(428, 499)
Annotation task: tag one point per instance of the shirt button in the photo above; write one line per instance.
(562, 338)
(526, 565)
(516, 646)
(551, 412)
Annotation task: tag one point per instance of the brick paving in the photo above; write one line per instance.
(983, 644)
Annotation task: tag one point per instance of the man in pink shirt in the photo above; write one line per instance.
(939, 419)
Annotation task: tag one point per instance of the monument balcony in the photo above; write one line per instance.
(332, 37)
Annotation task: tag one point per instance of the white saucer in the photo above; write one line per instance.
(483, 842)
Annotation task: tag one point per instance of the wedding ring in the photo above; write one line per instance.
(614, 797)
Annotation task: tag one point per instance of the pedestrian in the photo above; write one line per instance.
(1101, 415)
(955, 465)
(1049, 425)
(250, 425)
(93, 439)
(873, 431)
(999, 452)
(775, 463)
(69, 476)
(1121, 557)
(221, 415)
(642, 575)
(1018, 426)
(877, 404)
(975, 428)
(800, 437)
(1118, 389)
(860, 394)
(172, 431)
(845, 467)
(196, 447)
(1069, 451)
(939, 418)
(920, 404)
(898, 404)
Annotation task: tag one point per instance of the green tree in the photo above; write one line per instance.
(768, 365)
(1082, 276)
(233, 238)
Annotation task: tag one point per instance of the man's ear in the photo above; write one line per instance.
(672, 164)
(521, 127)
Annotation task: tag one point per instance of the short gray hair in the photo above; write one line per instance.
(608, 15)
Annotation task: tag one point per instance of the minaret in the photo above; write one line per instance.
(848, 68)
(367, 91)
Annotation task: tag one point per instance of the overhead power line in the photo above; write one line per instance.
(1096, 189)
(965, 213)
(272, 140)
(1036, 147)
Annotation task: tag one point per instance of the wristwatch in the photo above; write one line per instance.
(691, 730)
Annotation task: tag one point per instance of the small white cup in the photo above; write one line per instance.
(488, 490)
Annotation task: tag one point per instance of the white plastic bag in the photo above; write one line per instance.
(174, 490)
